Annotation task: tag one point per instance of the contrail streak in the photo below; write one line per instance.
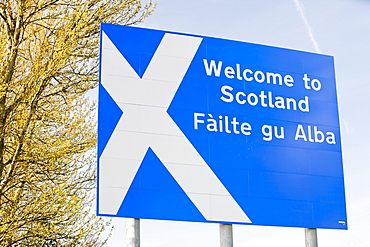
(300, 9)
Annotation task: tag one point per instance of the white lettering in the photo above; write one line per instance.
(259, 76)
(238, 72)
(289, 80)
(274, 76)
(265, 99)
(254, 101)
(303, 105)
(229, 72)
(212, 67)
(300, 133)
(196, 120)
(313, 134)
(316, 84)
(246, 128)
(225, 90)
(222, 125)
(270, 131)
(306, 81)
(245, 76)
(238, 94)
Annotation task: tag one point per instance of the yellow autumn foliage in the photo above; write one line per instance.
(48, 61)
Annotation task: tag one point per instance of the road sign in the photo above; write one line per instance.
(203, 129)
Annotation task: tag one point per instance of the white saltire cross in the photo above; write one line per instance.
(145, 123)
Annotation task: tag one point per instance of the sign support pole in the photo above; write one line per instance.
(132, 232)
(226, 235)
(311, 237)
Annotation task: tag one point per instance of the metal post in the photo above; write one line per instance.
(311, 237)
(132, 232)
(226, 235)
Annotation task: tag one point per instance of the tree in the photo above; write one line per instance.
(48, 62)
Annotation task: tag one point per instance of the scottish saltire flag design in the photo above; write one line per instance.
(203, 129)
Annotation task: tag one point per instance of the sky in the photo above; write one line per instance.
(340, 28)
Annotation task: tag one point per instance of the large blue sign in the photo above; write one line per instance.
(196, 128)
